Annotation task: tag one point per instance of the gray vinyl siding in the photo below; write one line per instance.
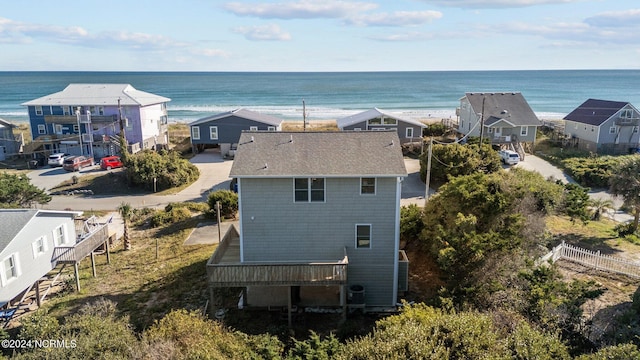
(600, 139)
(401, 127)
(583, 131)
(30, 268)
(229, 130)
(275, 228)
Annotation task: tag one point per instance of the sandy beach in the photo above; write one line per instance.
(324, 125)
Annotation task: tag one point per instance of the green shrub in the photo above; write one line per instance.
(172, 216)
(228, 201)
(193, 206)
(167, 168)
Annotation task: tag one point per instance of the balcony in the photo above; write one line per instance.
(224, 269)
(620, 121)
(73, 119)
(90, 237)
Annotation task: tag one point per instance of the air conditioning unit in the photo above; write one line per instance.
(87, 138)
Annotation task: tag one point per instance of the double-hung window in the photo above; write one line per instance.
(10, 268)
(363, 236)
(59, 236)
(308, 189)
(367, 186)
(195, 133)
(213, 132)
(39, 246)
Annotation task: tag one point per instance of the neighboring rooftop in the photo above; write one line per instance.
(243, 113)
(595, 112)
(510, 106)
(348, 154)
(14, 220)
(372, 114)
(98, 94)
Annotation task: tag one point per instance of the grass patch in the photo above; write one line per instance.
(145, 288)
(112, 182)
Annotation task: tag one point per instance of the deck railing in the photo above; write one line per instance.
(84, 247)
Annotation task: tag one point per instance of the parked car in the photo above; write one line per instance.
(509, 157)
(76, 163)
(110, 162)
(57, 159)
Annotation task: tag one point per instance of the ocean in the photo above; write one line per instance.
(332, 95)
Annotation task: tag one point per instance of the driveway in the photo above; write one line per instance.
(214, 174)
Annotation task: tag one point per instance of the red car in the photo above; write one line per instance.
(76, 163)
(110, 162)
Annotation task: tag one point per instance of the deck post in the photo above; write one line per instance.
(289, 305)
(38, 301)
(77, 274)
(93, 264)
(343, 301)
(106, 248)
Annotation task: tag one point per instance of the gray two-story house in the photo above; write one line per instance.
(318, 220)
(503, 117)
(376, 119)
(604, 126)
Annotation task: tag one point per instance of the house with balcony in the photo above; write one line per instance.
(88, 118)
(604, 127)
(376, 119)
(35, 244)
(503, 117)
(224, 129)
(319, 217)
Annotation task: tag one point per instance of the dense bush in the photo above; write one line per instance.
(436, 129)
(174, 215)
(228, 202)
(167, 168)
(592, 171)
(454, 159)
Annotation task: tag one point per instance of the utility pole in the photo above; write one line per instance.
(304, 116)
(123, 138)
(428, 176)
(218, 208)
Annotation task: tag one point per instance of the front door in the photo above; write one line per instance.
(497, 132)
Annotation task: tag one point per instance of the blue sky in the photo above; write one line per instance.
(319, 35)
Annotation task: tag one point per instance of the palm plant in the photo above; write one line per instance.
(125, 211)
(600, 206)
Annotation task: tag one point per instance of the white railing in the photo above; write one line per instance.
(592, 259)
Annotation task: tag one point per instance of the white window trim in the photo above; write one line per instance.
(407, 131)
(524, 130)
(42, 129)
(253, 128)
(394, 121)
(211, 129)
(370, 236)
(38, 110)
(375, 186)
(60, 241)
(357, 129)
(16, 265)
(195, 133)
(612, 130)
(36, 246)
(271, 128)
(324, 190)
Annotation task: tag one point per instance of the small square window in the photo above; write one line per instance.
(363, 236)
(612, 130)
(38, 110)
(42, 129)
(368, 186)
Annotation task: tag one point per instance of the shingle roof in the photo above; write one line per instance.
(243, 113)
(595, 112)
(13, 220)
(372, 114)
(510, 106)
(327, 154)
(98, 94)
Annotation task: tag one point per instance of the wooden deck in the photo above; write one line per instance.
(82, 248)
(224, 269)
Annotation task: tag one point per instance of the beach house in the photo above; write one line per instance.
(224, 129)
(35, 242)
(503, 117)
(376, 119)
(603, 126)
(319, 217)
(8, 143)
(86, 119)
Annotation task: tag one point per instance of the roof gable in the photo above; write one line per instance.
(98, 94)
(326, 154)
(14, 220)
(372, 114)
(595, 112)
(243, 113)
(510, 106)
(5, 123)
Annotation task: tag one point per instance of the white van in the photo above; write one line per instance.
(57, 159)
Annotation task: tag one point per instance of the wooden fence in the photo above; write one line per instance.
(592, 259)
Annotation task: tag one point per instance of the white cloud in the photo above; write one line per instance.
(624, 18)
(271, 32)
(302, 9)
(21, 33)
(495, 3)
(398, 18)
